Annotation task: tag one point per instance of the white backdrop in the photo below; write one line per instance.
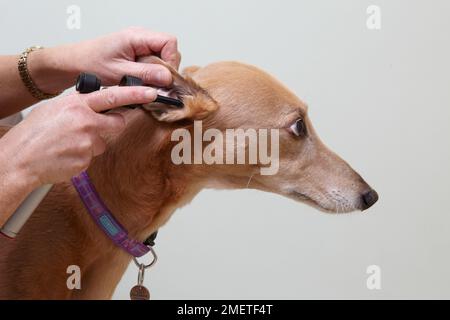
(379, 98)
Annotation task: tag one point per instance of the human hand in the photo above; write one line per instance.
(109, 57)
(59, 139)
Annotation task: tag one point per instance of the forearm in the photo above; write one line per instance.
(49, 69)
(15, 181)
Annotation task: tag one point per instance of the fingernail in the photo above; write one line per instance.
(150, 94)
(163, 76)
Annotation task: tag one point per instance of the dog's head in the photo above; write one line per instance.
(231, 95)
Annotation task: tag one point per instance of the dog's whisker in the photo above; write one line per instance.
(249, 180)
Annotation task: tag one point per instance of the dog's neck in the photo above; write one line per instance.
(137, 180)
(139, 184)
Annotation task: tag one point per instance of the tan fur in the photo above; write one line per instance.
(141, 186)
(198, 104)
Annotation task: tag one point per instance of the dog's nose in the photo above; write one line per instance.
(369, 198)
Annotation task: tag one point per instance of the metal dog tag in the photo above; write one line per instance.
(139, 292)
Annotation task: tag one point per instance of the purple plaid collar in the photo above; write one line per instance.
(104, 218)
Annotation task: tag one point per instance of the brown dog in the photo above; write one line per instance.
(141, 185)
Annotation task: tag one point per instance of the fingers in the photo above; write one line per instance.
(117, 97)
(147, 42)
(170, 53)
(152, 74)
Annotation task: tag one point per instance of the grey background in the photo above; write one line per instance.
(380, 99)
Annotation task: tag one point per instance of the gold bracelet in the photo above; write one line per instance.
(26, 78)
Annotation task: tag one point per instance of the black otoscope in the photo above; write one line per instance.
(86, 83)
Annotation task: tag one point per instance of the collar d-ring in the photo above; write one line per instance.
(149, 265)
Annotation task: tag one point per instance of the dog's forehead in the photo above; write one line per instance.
(241, 84)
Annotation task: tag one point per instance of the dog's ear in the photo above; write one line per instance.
(198, 104)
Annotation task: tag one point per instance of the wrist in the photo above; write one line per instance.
(15, 183)
(52, 70)
(15, 171)
(16, 178)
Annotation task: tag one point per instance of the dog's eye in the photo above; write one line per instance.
(299, 128)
